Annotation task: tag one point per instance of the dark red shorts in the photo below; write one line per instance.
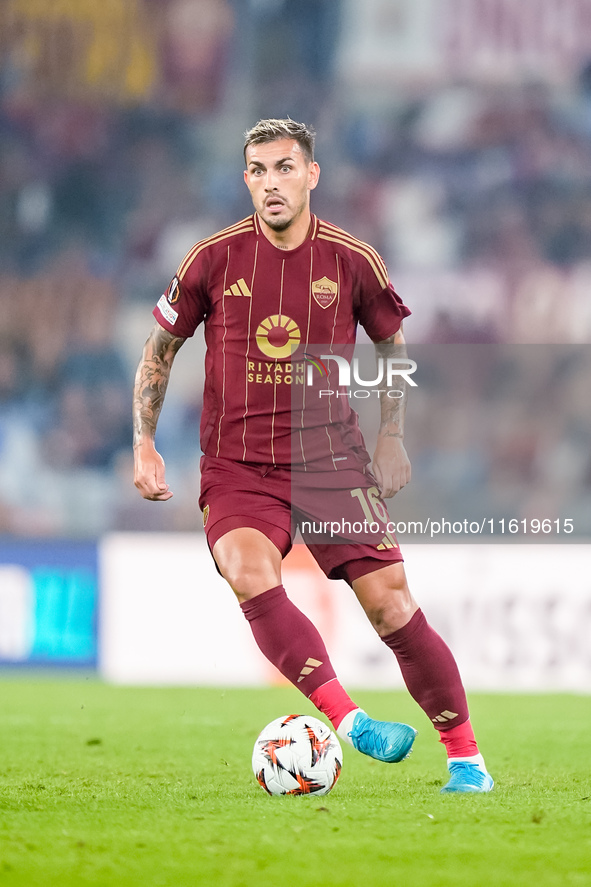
(340, 515)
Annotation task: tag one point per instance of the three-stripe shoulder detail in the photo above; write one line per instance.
(334, 234)
(241, 227)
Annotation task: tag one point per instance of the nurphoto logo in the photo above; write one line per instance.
(388, 370)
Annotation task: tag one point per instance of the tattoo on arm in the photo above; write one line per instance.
(393, 409)
(151, 381)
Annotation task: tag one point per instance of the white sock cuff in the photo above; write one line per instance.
(473, 759)
(346, 725)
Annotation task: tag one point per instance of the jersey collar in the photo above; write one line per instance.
(312, 233)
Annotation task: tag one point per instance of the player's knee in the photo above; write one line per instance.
(248, 562)
(392, 613)
(248, 578)
(386, 599)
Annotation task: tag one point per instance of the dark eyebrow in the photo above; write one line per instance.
(260, 165)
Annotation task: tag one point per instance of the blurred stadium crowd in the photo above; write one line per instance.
(120, 146)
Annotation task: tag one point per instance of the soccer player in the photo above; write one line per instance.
(265, 289)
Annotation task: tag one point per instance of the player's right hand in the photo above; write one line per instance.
(149, 473)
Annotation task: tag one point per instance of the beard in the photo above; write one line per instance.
(282, 224)
(278, 224)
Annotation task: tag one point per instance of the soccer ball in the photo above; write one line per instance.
(297, 755)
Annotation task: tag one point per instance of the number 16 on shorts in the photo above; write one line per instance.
(372, 506)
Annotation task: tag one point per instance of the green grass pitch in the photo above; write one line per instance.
(141, 786)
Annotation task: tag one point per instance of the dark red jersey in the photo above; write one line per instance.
(266, 310)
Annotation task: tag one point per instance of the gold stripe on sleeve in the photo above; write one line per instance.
(375, 261)
(239, 228)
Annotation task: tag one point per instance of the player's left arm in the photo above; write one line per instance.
(391, 465)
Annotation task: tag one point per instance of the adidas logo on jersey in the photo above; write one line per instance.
(238, 289)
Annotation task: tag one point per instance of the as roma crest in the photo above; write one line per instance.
(324, 291)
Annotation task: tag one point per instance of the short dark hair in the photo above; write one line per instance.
(271, 129)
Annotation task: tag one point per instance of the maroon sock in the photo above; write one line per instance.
(430, 672)
(292, 643)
